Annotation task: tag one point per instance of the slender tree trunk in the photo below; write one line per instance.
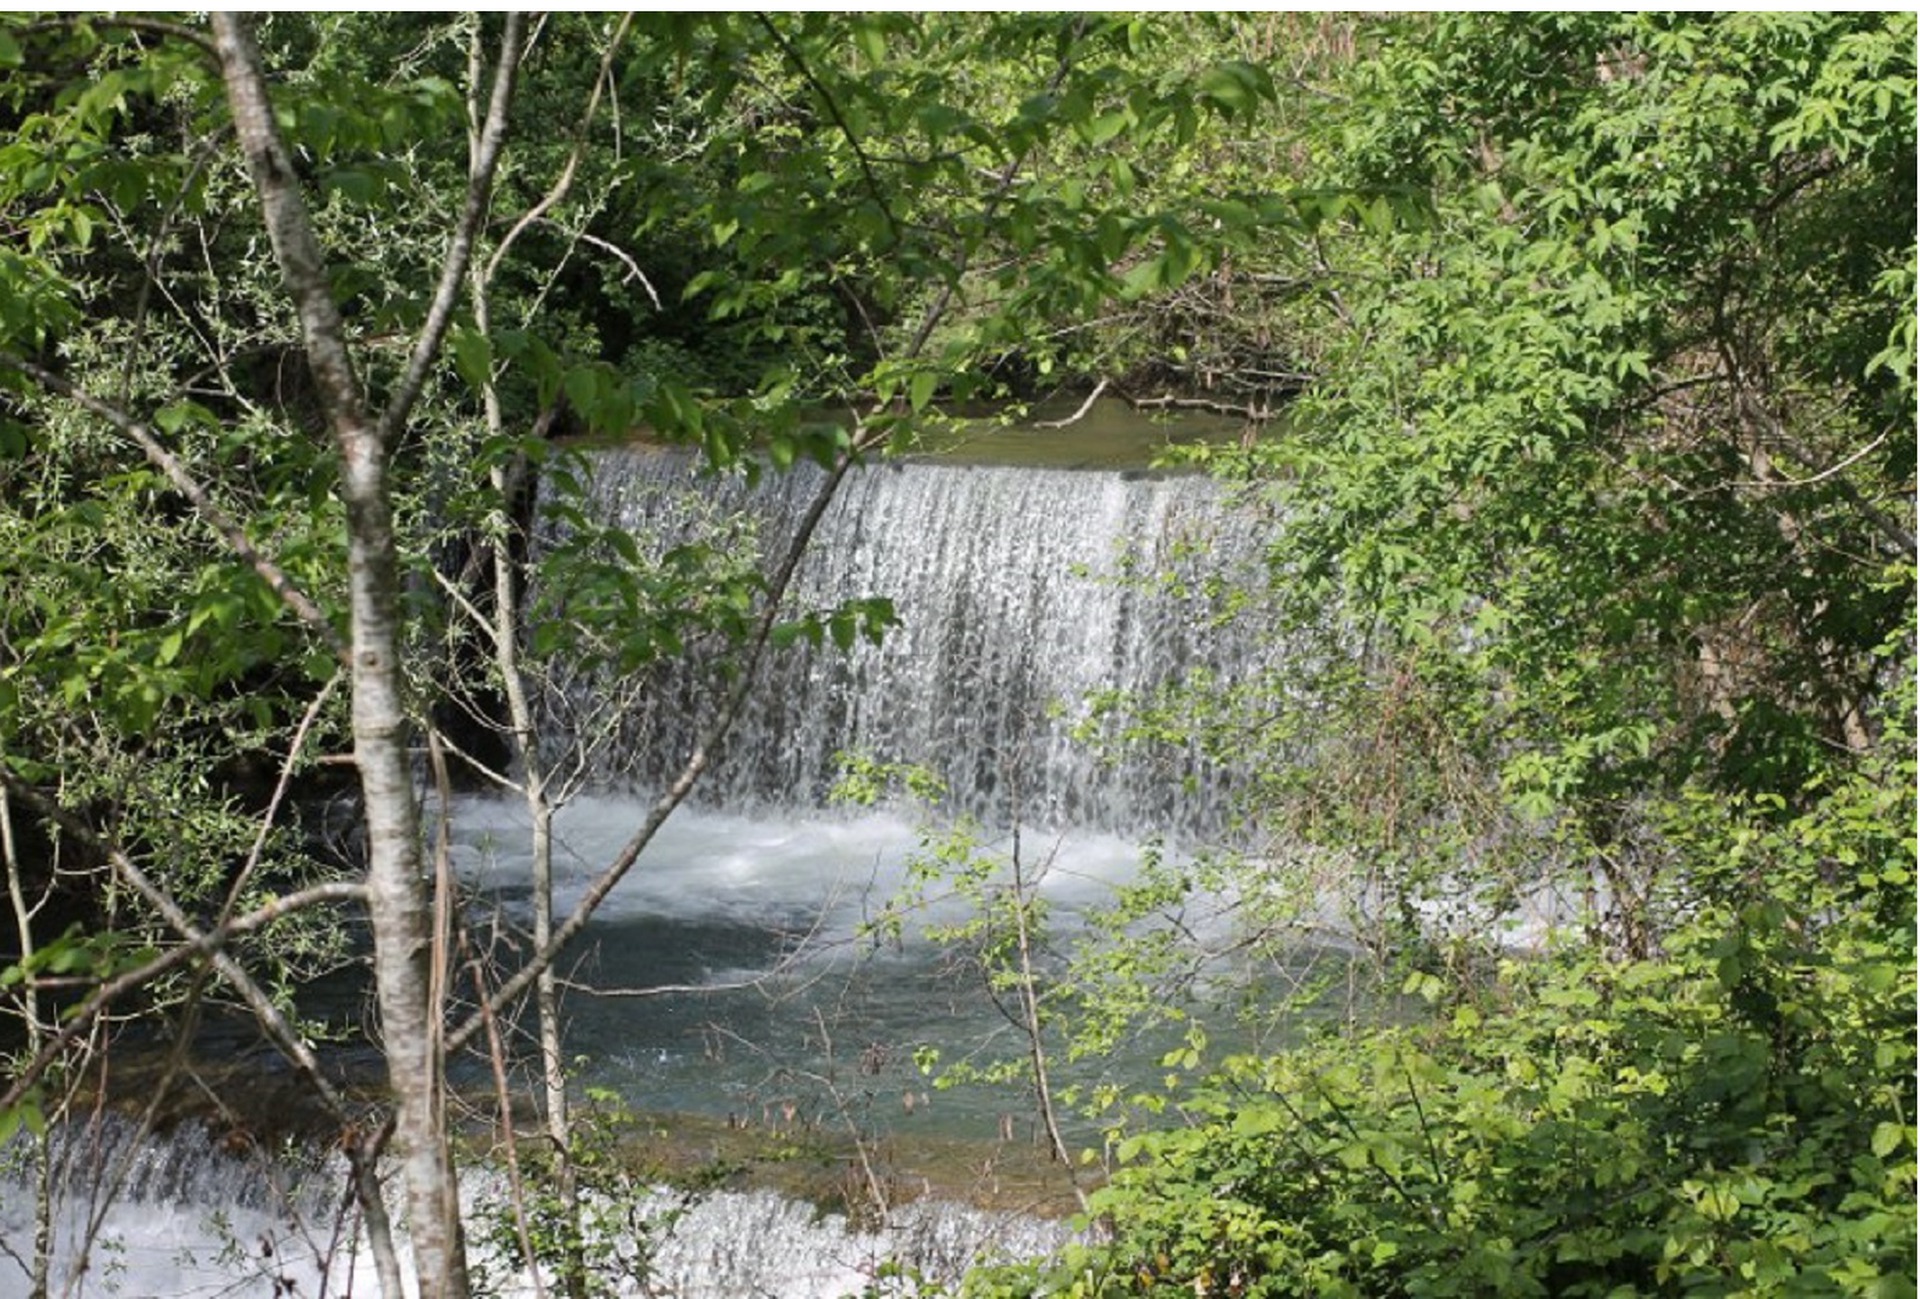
(541, 810)
(536, 781)
(399, 899)
(1031, 1022)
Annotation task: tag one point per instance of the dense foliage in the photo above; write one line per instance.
(1609, 468)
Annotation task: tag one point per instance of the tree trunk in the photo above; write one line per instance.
(398, 896)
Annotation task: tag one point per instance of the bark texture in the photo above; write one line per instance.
(399, 898)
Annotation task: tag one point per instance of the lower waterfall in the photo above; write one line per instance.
(181, 1215)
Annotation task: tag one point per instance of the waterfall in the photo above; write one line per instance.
(183, 1214)
(1020, 592)
(186, 1212)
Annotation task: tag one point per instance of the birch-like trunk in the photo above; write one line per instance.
(399, 897)
(536, 790)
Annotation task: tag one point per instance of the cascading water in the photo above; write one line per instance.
(1021, 592)
(181, 1215)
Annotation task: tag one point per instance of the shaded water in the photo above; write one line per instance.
(735, 973)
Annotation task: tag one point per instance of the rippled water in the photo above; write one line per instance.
(735, 973)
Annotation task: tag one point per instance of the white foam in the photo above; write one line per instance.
(213, 1235)
(707, 865)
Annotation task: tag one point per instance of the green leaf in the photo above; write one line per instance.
(582, 387)
(353, 184)
(472, 357)
(1234, 88)
(920, 390)
(26, 1113)
(177, 415)
(872, 41)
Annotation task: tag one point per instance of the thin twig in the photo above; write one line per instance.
(626, 258)
(516, 1184)
(133, 23)
(564, 182)
(187, 485)
(1777, 484)
(281, 788)
(839, 121)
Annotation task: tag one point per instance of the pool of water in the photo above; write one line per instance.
(738, 973)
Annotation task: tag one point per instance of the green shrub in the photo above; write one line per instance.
(1731, 1117)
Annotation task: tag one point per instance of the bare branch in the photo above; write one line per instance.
(133, 23)
(451, 589)
(1080, 414)
(1776, 484)
(303, 267)
(1251, 413)
(503, 1096)
(460, 248)
(1889, 527)
(195, 944)
(210, 944)
(659, 989)
(1775, 431)
(564, 182)
(626, 259)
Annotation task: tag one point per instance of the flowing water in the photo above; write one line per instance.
(736, 973)
(182, 1216)
(1022, 593)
